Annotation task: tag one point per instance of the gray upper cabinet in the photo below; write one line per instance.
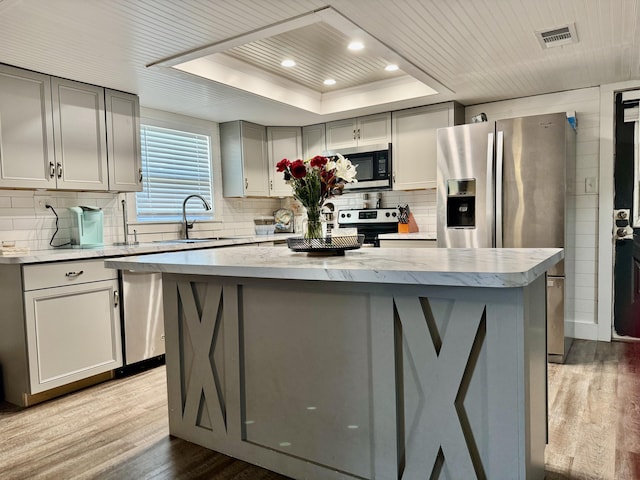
(123, 141)
(282, 142)
(243, 150)
(54, 134)
(314, 140)
(27, 158)
(80, 135)
(358, 132)
(414, 143)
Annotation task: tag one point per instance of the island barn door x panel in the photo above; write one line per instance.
(330, 380)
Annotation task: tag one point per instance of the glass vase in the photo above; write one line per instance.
(313, 227)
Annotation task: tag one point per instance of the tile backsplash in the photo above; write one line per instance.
(25, 219)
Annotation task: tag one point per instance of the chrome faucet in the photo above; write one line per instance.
(185, 224)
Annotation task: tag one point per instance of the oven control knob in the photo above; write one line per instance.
(348, 215)
(388, 214)
(393, 214)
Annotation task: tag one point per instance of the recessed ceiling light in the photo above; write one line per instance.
(288, 63)
(329, 81)
(391, 67)
(356, 45)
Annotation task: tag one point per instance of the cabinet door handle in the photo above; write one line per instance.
(354, 134)
(246, 183)
(271, 184)
(59, 170)
(52, 170)
(140, 175)
(74, 274)
(116, 298)
(358, 133)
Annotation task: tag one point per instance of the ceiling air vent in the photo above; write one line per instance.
(557, 37)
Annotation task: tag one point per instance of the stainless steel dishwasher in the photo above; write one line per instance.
(142, 317)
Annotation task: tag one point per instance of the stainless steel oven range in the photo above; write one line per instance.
(370, 222)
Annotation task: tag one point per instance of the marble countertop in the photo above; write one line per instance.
(75, 253)
(408, 236)
(412, 266)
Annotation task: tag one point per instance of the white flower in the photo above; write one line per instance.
(344, 169)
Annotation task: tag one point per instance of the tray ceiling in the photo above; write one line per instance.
(320, 52)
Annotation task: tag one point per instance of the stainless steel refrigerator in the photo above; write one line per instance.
(504, 184)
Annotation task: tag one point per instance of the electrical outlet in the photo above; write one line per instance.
(42, 202)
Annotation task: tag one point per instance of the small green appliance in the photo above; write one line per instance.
(87, 226)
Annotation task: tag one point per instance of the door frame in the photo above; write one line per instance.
(605, 206)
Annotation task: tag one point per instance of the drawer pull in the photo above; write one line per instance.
(116, 298)
(74, 274)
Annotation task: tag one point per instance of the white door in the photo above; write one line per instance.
(123, 141)
(254, 157)
(374, 130)
(415, 146)
(73, 332)
(283, 142)
(313, 140)
(26, 131)
(80, 135)
(341, 134)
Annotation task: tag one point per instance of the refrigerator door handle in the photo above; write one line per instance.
(499, 164)
(490, 198)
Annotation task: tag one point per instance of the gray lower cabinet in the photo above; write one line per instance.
(359, 380)
(61, 325)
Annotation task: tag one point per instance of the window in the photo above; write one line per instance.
(175, 164)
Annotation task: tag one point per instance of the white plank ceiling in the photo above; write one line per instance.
(481, 50)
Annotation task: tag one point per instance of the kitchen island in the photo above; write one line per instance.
(383, 363)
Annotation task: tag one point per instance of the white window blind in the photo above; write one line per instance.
(175, 164)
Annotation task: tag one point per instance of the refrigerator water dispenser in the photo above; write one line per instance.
(461, 203)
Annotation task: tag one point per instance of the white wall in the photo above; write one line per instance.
(582, 247)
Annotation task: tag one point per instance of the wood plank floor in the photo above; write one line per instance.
(594, 413)
(119, 430)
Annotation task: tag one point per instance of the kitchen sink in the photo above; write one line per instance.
(190, 240)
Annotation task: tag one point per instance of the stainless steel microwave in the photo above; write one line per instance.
(373, 167)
